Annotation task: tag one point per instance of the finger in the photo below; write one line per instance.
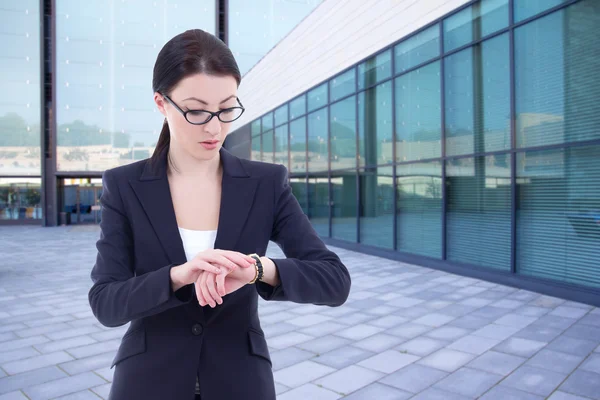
(199, 294)
(202, 265)
(218, 259)
(240, 259)
(210, 301)
(212, 289)
(220, 280)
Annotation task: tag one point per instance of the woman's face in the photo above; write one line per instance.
(199, 92)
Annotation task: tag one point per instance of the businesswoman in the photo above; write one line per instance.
(178, 234)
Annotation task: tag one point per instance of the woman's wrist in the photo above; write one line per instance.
(270, 274)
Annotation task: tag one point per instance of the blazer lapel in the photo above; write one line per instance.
(152, 190)
(237, 196)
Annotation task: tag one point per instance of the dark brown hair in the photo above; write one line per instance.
(191, 52)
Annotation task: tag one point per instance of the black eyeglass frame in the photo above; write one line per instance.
(212, 114)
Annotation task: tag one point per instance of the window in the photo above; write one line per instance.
(342, 85)
(558, 215)
(377, 207)
(298, 145)
(375, 125)
(105, 56)
(418, 114)
(317, 97)
(418, 49)
(281, 145)
(556, 77)
(318, 145)
(20, 198)
(298, 186)
(343, 134)
(478, 222)
(419, 205)
(318, 204)
(475, 22)
(281, 115)
(20, 83)
(375, 69)
(298, 107)
(267, 146)
(344, 206)
(477, 88)
(528, 8)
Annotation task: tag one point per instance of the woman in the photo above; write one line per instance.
(178, 230)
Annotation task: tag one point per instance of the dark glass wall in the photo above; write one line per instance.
(474, 141)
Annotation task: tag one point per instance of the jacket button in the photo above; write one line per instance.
(197, 329)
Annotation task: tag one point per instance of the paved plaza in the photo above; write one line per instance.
(406, 332)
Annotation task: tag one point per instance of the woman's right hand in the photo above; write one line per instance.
(211, 260)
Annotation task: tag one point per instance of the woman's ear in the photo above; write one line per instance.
(160, 103)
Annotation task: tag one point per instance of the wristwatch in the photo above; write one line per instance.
(259, 268)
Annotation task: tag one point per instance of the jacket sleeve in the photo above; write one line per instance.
(118, 294)
(310, 273)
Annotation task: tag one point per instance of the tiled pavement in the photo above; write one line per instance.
(406, 332)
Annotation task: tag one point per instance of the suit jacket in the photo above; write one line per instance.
(172, 340)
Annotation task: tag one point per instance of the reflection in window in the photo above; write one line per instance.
(281, 115)
(281, 145)
(255, 127)
(475, 22)
(528, 8)
(267, 146)
(298, 186)
(419, 205)
(298, 107)
(20, 85)
(255, 144)
(105, 55)
(418, 114)
(375, 69)
(343, 206)
(558, 215)
(343, 134)
(317, 97)
(478, 98)
(255, 27)
(556, 77)
(342, 85)
(478, 221)
(377, 207)
(318, 204)
(318, 146)
(20, 198)
(375, 125)
(298, 145)
(267, 122)
(418, 49)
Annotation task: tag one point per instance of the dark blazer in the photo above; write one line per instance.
(171, 339)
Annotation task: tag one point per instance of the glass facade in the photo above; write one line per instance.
(255, 27)
(105, 54)
(20, 199)
(20, 85)
(459, 146)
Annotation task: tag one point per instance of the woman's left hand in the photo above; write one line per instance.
(211, 287)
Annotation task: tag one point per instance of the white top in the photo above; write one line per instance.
(193, 243)
(196, 241)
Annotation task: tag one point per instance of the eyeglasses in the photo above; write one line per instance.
(200, 117)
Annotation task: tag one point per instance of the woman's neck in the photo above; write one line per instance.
(182, 164)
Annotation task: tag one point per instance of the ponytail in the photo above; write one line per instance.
(163, 143)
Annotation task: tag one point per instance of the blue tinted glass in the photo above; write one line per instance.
(375, 70)
(105, 55)
(20, 85)
(418, 49)
(342, 85)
